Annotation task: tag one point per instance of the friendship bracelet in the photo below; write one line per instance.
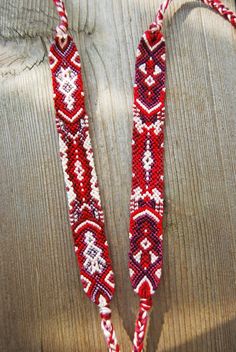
(147, 191)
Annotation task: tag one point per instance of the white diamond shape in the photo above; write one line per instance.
(145, 243)
(150, 81)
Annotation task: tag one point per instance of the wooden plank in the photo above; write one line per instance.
(42, 305)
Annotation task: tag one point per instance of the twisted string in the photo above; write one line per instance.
(141, 324)
(217, 5)
(222, 10)
(157, 24)
(62, 28)
(108, 329)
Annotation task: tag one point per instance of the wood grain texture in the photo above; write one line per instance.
(42, 305)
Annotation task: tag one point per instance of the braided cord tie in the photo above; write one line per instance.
(62, 28)
(222, 10)
(157, 25)
(108, 330)
(217, 5)
(141, 324)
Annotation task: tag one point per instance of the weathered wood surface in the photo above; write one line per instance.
(42, 305)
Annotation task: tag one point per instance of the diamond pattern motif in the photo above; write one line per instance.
(85, 212)
(145, 255)
(66, 79)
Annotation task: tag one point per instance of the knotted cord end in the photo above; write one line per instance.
(155, 27)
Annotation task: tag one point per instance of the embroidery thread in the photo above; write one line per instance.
(147, 192)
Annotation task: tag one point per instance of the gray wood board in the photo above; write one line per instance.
(42, 304)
